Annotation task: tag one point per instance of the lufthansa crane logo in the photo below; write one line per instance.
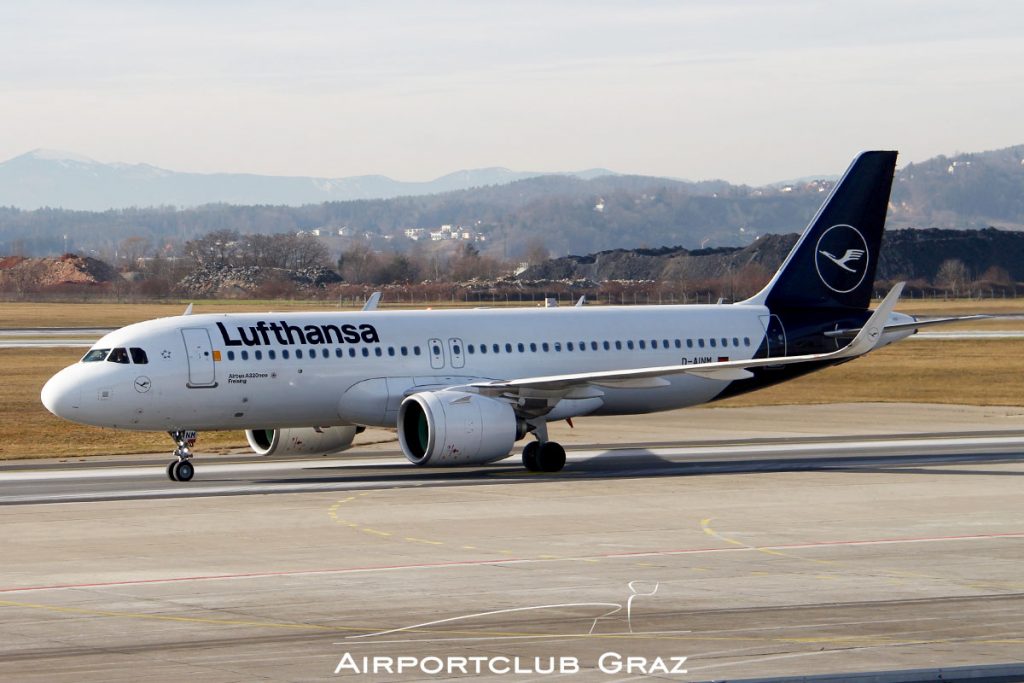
(842, 258)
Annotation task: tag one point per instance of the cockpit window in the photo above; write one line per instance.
(118, 355)
(138, 356)
(95, 355)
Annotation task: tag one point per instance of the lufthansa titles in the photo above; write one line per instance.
(280, 332)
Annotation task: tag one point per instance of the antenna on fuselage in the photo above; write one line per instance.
(371, 303)
(188, 310)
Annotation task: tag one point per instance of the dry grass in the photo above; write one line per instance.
(938, 307)
(972, 372)
(988, 372)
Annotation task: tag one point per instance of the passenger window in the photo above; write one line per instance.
(436, 350)
(326, 353)
(735, 342)
(298, 353)
(258, 355)
(338, 353)
(558, 347)
(118, 355)
(520, 346)
(231, 355)
(415, 350)
(746, 341)
(689, 343)
(629, 344)
(664, 343)
(545, 347)
(618, 345)
(366, 352)
(469, 347)
(138, 356)
(533, 347)
(245, 355)
(497, 349)
(643, 344)
(95, 355)
(508, 348)
(725, 342)
(405, 350)
(456, 349)
(284, 354)
(712, 342)
(679, 344)
(700, 343)
(377, 352)
(606, 346)
(483, 348)
(272, 354)
(351, 353)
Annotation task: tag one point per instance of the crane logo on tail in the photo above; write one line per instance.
(842, 258)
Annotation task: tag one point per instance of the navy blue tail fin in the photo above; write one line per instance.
(833, 263)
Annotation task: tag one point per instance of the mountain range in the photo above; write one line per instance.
(565, 213)
(56, 179)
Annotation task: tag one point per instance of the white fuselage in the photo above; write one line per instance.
(254, 371)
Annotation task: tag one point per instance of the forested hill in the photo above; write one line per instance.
(989, 254)
(564, 214)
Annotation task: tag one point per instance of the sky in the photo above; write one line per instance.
(751, 91)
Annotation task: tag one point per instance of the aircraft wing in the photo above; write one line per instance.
(865, 340)
(917, 324)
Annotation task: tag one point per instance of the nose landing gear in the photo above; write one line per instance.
(181, 469)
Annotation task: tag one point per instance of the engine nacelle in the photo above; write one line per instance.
(444, 428)
(306, 440)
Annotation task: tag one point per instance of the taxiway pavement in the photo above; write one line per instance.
(761, 553)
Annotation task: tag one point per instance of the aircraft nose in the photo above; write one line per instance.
(62, 394)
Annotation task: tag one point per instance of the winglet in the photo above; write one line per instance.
(371, 303)
(188, 310)
(871, 333)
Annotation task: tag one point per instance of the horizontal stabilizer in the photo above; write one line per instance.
(917, 324)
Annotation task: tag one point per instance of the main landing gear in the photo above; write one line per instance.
(543, 455)
(181, 469)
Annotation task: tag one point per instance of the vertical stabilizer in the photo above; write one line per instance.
(833, 263)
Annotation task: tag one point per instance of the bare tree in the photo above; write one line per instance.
(952, 275)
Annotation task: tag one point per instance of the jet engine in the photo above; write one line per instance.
(306, 440)
(444, 428)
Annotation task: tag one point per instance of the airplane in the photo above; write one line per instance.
(463, 386)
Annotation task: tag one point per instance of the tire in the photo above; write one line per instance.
(184, 471)
(551, 457)
(170, 470)
(530, 452)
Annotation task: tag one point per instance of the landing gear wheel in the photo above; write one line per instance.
(183, 470)
(530, 452)
(551, 457)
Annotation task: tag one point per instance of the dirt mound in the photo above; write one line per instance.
(69, 269)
